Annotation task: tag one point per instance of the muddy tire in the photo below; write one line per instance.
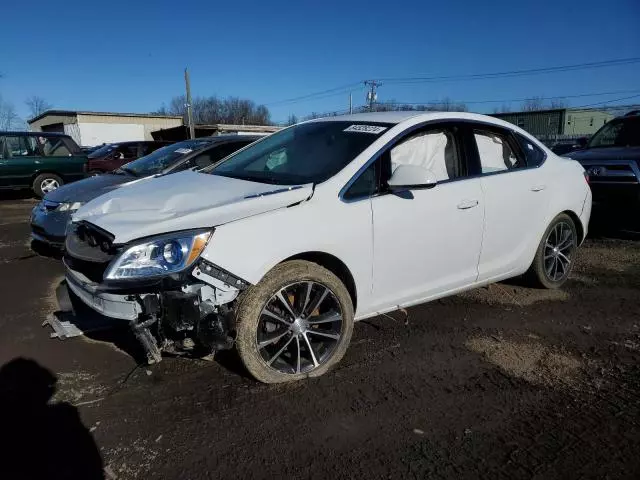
(45, 183)
(555, 255)
(296, 323)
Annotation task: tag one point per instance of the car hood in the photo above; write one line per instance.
(184, 201)
(88, 188)
(607, 153)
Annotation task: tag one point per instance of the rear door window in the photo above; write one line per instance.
(53, 146)
(19, 146)
(533, 154)
(496, 151)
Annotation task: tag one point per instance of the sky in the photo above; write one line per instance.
(129, 56)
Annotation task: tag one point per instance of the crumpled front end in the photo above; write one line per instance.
(183, 312)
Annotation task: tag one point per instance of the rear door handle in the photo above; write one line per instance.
(538, 188)
(467, 204)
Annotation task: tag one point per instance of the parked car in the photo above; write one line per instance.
(284, 244)
(114, 155)
(612, 160)
(50, 217)
(39, 161)
(563, 147)
(87, 150)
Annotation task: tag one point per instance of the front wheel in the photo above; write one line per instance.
(555, 255)
(296, 323)
(45, 183)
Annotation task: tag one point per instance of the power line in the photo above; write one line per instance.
(607, 102)
(322, 94)
(557, 97)
(513, 73)
(479, 76)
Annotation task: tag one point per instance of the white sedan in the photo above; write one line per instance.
(279, 248)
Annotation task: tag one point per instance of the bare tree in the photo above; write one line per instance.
(9, 119)
(210, 110)
(533, 104)
(37, 105)
(559, 103)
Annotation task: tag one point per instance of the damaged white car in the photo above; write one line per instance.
(280, 247)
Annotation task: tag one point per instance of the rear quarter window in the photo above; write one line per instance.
(534, 155)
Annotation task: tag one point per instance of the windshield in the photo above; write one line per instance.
(164, 157)
(623, 132)
(104, 150)
(305, 153)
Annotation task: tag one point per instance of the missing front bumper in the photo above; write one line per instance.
(185, 319)
(114, 306)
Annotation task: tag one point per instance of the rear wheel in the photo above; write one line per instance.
(555, 255)
(296, 323)
(45, 183)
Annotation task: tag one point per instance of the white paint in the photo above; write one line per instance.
(98, 133)
(400, 251)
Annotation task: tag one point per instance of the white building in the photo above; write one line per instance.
(95, 128)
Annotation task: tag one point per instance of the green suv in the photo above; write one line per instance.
(39, 161)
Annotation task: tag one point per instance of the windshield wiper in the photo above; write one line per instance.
(129, 171)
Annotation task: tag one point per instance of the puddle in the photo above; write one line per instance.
(530, 361)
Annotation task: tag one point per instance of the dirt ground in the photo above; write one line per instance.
(500, 382)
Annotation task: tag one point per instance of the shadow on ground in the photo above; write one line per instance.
(41, 439)
(16, 195)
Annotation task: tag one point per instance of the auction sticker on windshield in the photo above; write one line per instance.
(365, 129)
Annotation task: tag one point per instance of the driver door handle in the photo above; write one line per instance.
(538, 188)
(465, 204)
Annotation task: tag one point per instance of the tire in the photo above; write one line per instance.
(302, 283)
(541, 271)
(45, 183)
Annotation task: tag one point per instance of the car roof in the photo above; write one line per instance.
(396, 118)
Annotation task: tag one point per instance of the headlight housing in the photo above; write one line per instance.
(159, 256)
(69, 207)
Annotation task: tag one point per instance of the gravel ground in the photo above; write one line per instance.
(500, 382)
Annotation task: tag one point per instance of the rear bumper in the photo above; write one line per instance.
(119, 307)
(616, 193)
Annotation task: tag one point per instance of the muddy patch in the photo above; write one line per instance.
(530, 361)
(78, 387)
(509, 295)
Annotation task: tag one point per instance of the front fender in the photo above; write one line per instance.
(251, 247)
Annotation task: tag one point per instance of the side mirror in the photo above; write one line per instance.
(411, 177)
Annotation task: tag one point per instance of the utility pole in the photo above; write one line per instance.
(350, 103)
(372, 96)
(187, 82)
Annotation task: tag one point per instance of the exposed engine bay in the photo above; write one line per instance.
(185, 313)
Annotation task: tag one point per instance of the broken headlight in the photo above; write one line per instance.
(70, 207)
(158, 256)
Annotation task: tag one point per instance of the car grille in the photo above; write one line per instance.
(622, 172)
(89, 250)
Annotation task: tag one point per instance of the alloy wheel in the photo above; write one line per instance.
(49, 185)
(299, 328)
(558, 250)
